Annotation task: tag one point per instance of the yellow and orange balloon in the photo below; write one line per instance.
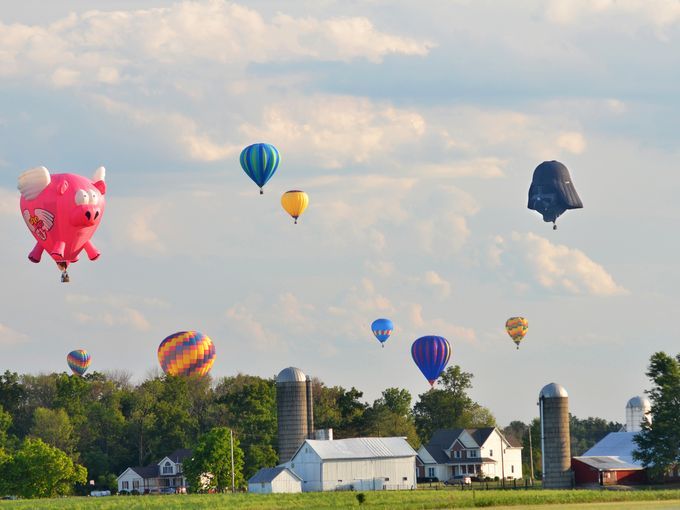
(517, 327)
(294, 203)
(186, 353)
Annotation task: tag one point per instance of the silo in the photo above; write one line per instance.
(637, 410)
(310, 409)
(555, 443)
(291, 405)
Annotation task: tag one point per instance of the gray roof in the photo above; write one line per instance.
(553, 390)
(146, 471)
(291, 374)
(265, 475)
(442, 440)
(362, 448)
(639, 402)
(615, 444)
(607, 463)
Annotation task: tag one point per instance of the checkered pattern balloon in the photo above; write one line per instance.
(78, 361)
(186, 353)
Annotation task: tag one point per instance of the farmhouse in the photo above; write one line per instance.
(362, 464)
(165, 476)
(470, 452)
(275, 480)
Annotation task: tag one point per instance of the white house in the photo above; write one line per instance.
(278, 479)
(470, 452)
(363, 463)
(165, 476)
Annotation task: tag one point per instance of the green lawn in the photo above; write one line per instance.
(384, 500)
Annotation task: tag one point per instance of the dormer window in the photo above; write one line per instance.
(456, 454)
(167, 468)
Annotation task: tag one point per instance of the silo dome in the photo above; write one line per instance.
(553, 390)
(639, 402)
(291, 374)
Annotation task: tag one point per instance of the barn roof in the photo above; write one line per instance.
(615, 444)
(608, 463)
(361, 448)
(266, 475)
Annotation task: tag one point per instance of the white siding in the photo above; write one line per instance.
(369, 474)
(307, 465)
(286, 482)
(511, 458)
(130, 476)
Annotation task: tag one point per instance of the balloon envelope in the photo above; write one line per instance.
(78, 361)
(517, 327)
(186, 353)
(431, 354)
(295, 202)
(382, 329)
(259, 161)
(552, 191)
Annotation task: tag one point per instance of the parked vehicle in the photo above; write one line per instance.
(427, 479)
(458, 480)
(168, 490)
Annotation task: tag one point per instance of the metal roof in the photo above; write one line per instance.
(266, 475)
(361, 448)
(607, 463)
(639, 402)
(553, 390)
(615, 444)
(291, 374)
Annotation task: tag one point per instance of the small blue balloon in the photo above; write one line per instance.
(259, 162)
(382, 329)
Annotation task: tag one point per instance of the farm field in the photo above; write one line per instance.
(385, 500)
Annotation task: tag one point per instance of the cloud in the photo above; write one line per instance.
(484, 168)
(114, 310)
(433, 280)
(560, 268)
(572, 142)
(9, 202)
(249, 328)
(438, 326)
(111, 47)
(9, 336)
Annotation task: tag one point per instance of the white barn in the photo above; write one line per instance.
(362, 464)
(274, 480)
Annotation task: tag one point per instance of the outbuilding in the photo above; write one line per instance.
(361, 463)
(606, 471)
(275, 480)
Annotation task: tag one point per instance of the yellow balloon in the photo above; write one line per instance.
(295, 202)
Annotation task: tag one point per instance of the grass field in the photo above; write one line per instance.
(638, 499)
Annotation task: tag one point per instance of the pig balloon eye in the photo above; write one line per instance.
(94, 197)
(82, 197)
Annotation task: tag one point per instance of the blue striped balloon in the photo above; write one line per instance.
(382, 329)
(431, 354)
(260, 161)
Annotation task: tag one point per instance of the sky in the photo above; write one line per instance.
(413, 127)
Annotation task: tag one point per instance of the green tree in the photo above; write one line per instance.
(54, 428)
(210, 464)
(38, 470)
(391, 415)
(5, 424)
(585, 433)
(450, 406)
(658, 444)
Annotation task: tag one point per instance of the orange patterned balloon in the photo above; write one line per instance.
(517, 327)
(186, 353)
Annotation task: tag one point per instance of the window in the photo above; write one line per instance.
(135, 484)
(126, 485)
(473, 453)
(404, 478)
(490, 453)
(456, 454)
(387, 479)
(512, 469)
(167, 468)
(430, 472)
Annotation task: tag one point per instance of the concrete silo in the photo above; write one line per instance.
(295, 411)
(555, 442)
(637, 410)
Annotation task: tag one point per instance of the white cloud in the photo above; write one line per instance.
(249, 328)
(438, 326)
(560, 268)
(114, 310)
(9, 336)
(485, 168)
(572, 142)
(9, 202)
(434, 281)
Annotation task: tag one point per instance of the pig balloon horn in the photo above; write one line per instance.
(62, 211)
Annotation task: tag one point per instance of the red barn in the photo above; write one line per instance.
(604, 470)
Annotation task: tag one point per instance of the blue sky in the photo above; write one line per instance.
(414, 130)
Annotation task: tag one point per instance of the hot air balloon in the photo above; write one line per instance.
(295, 202)
(62, 211)
(517, 327)
(186, 353)
(552, 192)
(431, 354)
(382, 329)
(78, 361)
(260, 161)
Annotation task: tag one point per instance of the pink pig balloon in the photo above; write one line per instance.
(62, 211)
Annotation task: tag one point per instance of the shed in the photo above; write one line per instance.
(606, 470)
(274, 480)
(361, 463)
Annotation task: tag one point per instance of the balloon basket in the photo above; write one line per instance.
(65, 277)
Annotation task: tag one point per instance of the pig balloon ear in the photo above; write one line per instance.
(99, 174)
(33, 181)
(101, 186)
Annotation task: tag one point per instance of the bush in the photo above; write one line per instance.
(135, 492)
(124, 493)
(361, 497)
